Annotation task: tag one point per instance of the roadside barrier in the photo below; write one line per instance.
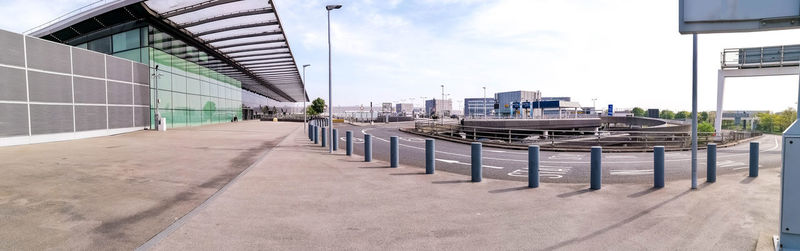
(367, 148)
(754, 159)
(316, 135)
(335, 139)
(711, 163)
(430, 156)
(596, 168)
(533, 166)
(310, 133)
(324, 139)
(477, 165)
(349, 143)
(394, 151)
(658, 166)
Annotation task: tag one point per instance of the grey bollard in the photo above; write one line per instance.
(316, 135)
(430, 156)
(754, 159)
(394, 152)
(335, 139)
(367, 148)
(658, 166)
(533, 166)
(477, 165)
(711, 163)
(324, 139)
(596, 170)
(349, 143)
(310, 133)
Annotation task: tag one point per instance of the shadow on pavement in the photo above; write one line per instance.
(451, 181)
(747, 180)
(570, 194)
(615, 225)
(643, 193)
(373, 167)
(504, 190)
(407, 174)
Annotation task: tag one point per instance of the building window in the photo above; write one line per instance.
(126, 40)
(102, 45)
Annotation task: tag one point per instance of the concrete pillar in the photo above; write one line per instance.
(533, 166)
(335, 139)
(711, 163)
(754, 159)
(394, 152)
(658, 166)
(596, 170)
(349, 143)
(720, 94)
(430, 156)
(477, 164)
(367, 148)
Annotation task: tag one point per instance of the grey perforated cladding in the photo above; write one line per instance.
(90, 91)
(47, 87)
(120, 93)
(120, 117)
(46, 55)
(12, 84)
(88, 63)
(51, 119)
(119, 69)
(13, 120)
(11, 49)
(90, 118)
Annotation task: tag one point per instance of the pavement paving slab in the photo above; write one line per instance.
(299, 197)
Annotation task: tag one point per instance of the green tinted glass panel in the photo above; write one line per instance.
(178, 83)
(179, 117)
(178, 100)
(192, 86)
(134, 55)
(126, 40)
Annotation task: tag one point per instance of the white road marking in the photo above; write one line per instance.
(495, 151)
(631, 172)
(620, 157)
(493, 167)
(729, 163)
(550, 172)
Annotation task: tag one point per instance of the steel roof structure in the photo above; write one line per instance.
(245, 37)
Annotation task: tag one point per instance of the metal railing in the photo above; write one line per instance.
(576, 139)
(760, 57)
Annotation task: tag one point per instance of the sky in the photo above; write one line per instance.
(623, 52)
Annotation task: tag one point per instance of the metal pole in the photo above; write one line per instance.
(335, 139)
(324, 137)
(430, 156)
(694, 111)
(316, 135)
(711, 163)
(394, 152)
(441, 112)
(330, 90)
(754, 159)
(596, 168)
(476, 162)
(349, 143)
(304, 94)
(367, 148)
(484, 103)
(658, 166)
(533, 166)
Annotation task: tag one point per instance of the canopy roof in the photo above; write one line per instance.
(245, 37)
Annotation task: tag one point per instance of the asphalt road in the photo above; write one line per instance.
(562, 167)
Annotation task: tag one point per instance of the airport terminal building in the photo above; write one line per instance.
(111, 66)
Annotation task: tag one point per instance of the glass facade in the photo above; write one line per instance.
(189, 93)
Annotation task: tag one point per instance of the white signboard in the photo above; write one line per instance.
(718, 16)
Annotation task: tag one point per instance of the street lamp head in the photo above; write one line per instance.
(306, 65)
(333, 7)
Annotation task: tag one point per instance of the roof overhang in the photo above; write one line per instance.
(244, 35)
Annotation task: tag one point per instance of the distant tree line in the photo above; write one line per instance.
(704, 124)
(776, 122)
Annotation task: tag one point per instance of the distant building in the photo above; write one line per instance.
(653, 113)
(568, 99)
(506, 100)
(477, 107)
(404, 109)
(438, 106)
(747, 120)
(555, 109)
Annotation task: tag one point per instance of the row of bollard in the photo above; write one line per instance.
(476, 170)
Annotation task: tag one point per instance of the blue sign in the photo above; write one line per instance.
(610, 110)
(526, 105)
(515, 105)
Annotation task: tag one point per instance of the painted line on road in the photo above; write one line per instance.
(631, 172)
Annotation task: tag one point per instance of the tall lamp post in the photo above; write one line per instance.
(484, 103)
(304, 93)
(330, 89)
(435, 105)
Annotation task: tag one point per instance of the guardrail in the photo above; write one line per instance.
(576, 139)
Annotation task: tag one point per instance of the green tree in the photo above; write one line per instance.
(683, 115)
(667, 114)
(317, 106)
(766, 122)
(705, 127)
(638, 112)
(703, 117)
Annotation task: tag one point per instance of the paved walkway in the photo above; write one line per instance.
(302, 198)
(117, 192)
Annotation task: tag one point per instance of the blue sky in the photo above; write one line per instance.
(624, 52)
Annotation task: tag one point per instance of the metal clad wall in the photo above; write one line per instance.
(50, 92)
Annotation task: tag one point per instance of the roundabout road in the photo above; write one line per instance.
(562, 167)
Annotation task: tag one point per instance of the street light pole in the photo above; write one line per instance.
(330, 89)
(484, 103)
(305, 119)
(435, 105)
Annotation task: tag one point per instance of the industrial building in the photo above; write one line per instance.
(478, 107)
(506, 101)
(191, 63)
(404, 109)
(438, 107)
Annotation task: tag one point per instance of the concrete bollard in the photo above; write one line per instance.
(324, 139)
(335, 139)
(533, 166)
(349, 143)
(477, 164)
(658, 166)
(310, 133)
(367, 148)
(711, 163)
(394, 152)
(596, 168)
(316, 135)
(754, 159)
(430, 156)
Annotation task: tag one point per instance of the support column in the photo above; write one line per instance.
(720, 92)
